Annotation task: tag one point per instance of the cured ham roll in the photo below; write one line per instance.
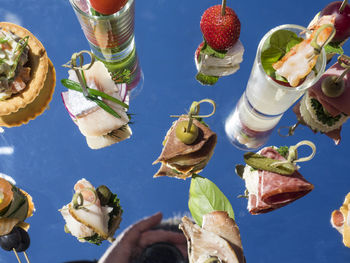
(340, 220)
(218, 238)
(181, 160)
(93, 215)
(269, 190)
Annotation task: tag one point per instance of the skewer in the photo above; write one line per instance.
(291, 130)
(26, 256)
(14, 250)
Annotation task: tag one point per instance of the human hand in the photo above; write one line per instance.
(140, 235)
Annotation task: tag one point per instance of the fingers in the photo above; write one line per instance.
(125, 244)
(147, 223)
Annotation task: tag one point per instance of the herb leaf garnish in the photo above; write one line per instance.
(283, 151)
(206, 197)
(334, 48)
(70, 84)
(206, 80)
(322, 115)
(207, 50)
(275, 47)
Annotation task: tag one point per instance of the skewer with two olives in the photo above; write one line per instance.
(17, 240)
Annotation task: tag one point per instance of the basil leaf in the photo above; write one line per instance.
(206, 80)
(275, 47)
(207, 50)
(334, 48)
(206, 197)
(269, 57)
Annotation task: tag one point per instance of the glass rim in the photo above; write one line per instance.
(105, 17)
(303, 86)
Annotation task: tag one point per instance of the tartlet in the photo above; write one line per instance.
(30, 102)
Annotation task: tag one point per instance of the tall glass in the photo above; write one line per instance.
(264, 101)
(111, 39)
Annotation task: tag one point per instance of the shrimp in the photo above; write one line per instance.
(301, 59)
(87, 190)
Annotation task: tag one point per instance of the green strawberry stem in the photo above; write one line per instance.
(223, 7)
(343, 5)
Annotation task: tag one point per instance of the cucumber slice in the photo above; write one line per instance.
(19, 202)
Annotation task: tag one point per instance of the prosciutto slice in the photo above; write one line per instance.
(181, 160)
(269, 190)
(337, 105)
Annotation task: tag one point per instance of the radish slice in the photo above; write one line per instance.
(65, 99)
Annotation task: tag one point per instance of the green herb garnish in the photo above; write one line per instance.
(207, 50)
(206, 197)
(275, 47)
(283, 151)
(70, 84)
(95, 239)
(322, 115)
(3, 40)
(334, 48)
(121, 76)
(206, 80)
(20, 48)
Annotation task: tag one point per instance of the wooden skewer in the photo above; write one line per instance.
(14, 250)
(26, 256)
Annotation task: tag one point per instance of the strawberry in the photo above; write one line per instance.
(220, 31)
(198, 50)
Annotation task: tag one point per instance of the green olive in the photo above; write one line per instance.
(212, 260)
(184, 135)
(104, 194)
(331, 87)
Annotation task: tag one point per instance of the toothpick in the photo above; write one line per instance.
(25, 255)
(14, 250)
